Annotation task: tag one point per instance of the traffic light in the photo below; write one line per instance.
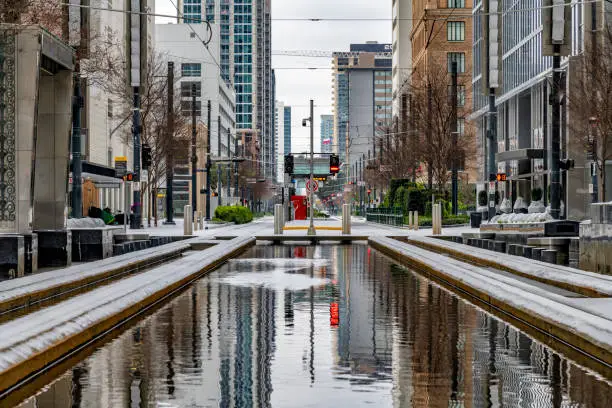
(289, 164)
(146, 156)
(566, 164)
(502, 177)
(334, 164)
(128, 177)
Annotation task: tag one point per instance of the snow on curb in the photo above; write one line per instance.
(542, 271)
(27, 338)
(575, 324)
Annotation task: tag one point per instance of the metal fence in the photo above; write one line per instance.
(387, 216)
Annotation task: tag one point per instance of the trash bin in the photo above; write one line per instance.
(475, 219)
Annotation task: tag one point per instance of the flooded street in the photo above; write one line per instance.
(337, 326)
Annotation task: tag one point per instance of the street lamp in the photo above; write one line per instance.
(311, 228)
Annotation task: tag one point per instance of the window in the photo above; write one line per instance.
(455, 31)
(110, 108)
(456, 3)
(460, 94)
(186, 89)
(460, 126)
(191, 70)
(459, 58)
(186, 108)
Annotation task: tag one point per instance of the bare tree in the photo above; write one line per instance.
(431, 119)
(590, 102)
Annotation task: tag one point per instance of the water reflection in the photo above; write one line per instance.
(347, 329)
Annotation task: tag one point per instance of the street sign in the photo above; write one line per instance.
(120, 165)
(251, 181)
(385, 169)
(491, 186)
(361, 183)
(312, 186)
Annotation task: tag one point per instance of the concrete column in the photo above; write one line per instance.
(346, 219)
(52, 151)
(188, 222)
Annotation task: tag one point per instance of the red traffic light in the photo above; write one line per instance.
(334, 164)
(502, 177)
(128, 177)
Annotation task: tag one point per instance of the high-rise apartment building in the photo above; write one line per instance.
(362, 86)
(279, 139)
(327, 133)
(245, 59)
(287, 132)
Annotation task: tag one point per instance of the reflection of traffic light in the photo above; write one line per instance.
(289, 164)
(334, 314)
(501, 177)
(146, 156)
(334, 164)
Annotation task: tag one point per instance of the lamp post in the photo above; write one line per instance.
(311, 228)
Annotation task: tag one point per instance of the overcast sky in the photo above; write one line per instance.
(296, 87)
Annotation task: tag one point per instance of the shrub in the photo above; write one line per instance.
(236, 214)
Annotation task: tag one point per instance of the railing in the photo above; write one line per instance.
(387, 216)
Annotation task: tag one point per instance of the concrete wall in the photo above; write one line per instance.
(52, 150)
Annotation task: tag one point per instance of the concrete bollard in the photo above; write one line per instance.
(187, 222)
(415, 220)
(410, 225)
(196, 221)
(201, 216)
(278, 220)
(346, 219)
(436, 219)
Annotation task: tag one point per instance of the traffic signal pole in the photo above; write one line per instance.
(311, 228)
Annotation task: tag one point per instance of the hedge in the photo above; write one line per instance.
(236, 214)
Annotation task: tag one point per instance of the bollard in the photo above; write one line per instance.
(415, 221)
(201, 216)
(195, 221)
(278, 227)
(436, 219)
(410, 219)
(346, 219)
(187, 223)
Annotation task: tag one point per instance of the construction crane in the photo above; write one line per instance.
(327, 54)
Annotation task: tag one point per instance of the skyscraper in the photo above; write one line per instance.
(327, 133)
(245, 59)
(287, 133)
(362, 100)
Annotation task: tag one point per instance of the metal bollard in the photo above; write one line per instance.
(187, 222)
(346, 219)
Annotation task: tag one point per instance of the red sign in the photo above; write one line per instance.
(334, 314)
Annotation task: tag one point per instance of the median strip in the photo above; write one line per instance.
(589, 333)
(32, 342)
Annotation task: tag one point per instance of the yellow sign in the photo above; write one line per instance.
(121, 159)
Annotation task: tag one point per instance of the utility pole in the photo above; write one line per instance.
(311, 228)
(208, 165)
(555, 173)
(594, 56)
(77, 164)
(194, 155)
(454, 131)
(136, 133)
(236, 168)
(429, 124)
(170, 148)
(229, 165)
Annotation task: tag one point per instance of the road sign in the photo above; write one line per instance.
(312, 186)
(120, 166)
(251, 181)
(385, 169)
(361, 183)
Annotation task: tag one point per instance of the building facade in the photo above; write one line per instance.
(287, 132)
(245, 60)
(194, 65)
(522, 100)
(362, 87)
(402, 50)
(327, 133)
(279, 140)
